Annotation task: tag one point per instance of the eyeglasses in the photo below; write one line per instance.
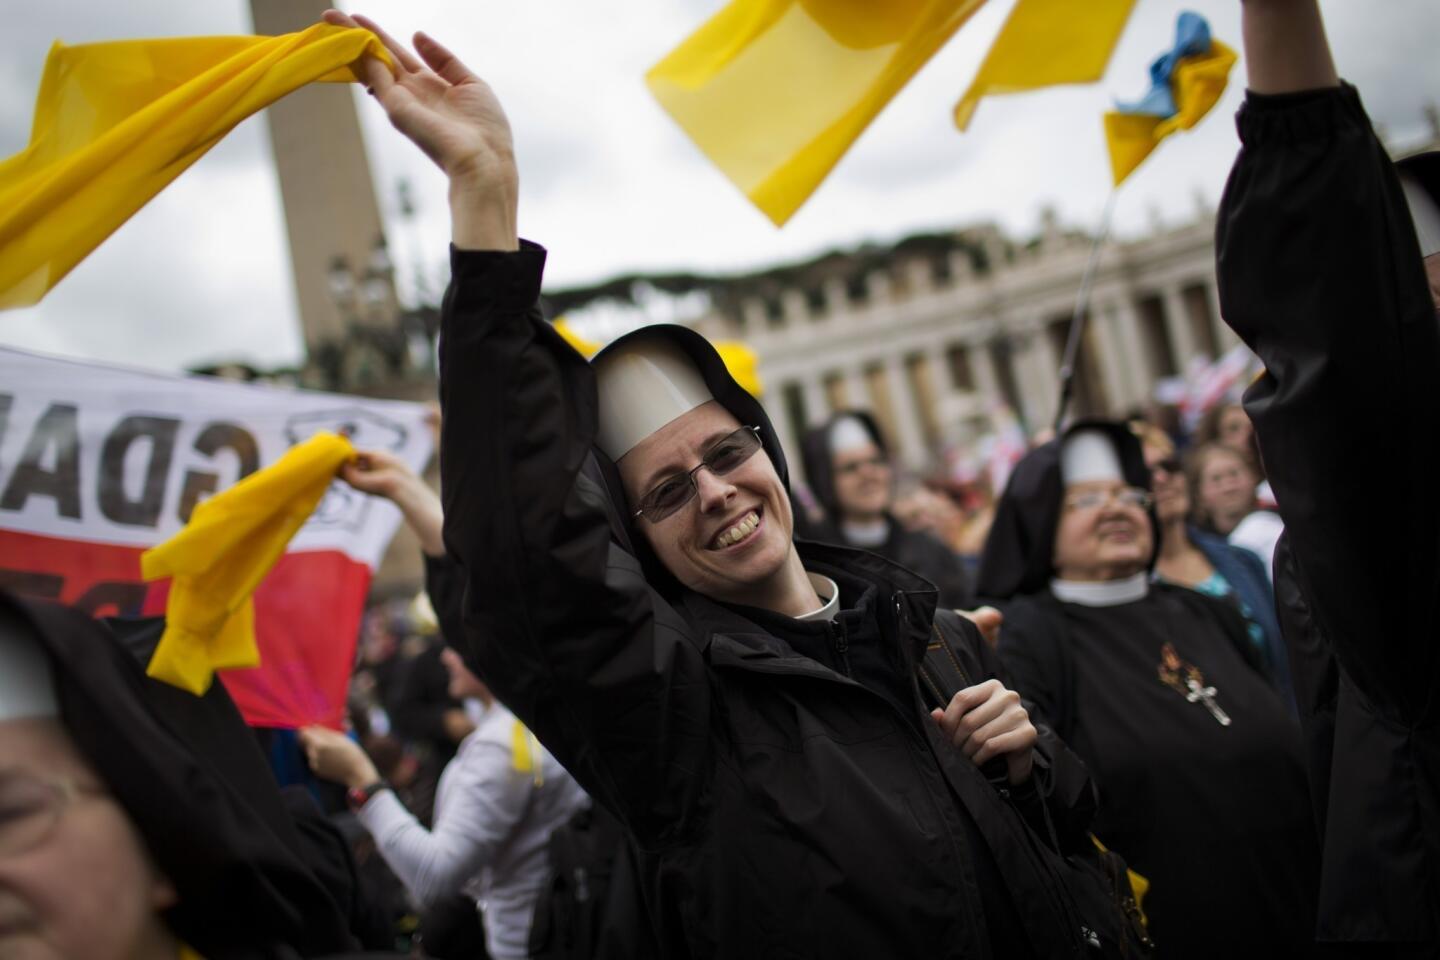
(855, 466)
(1125, 496)
(30, 808)
(675, 491)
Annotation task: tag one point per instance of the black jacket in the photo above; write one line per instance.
(781, 808)
(1321, 275)
(913, 549)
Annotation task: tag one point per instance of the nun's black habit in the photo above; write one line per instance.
(189, 775)
(1202, 786)
(913, 549)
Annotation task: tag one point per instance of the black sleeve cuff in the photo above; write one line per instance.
(496, 279)
(1303, 116)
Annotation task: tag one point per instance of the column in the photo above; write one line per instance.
(1127, 329)
(913, 451)
(1025, 365)
(774, 404)
(1223, 334)
(1045, 363)
(951, 405)
(817, 406)
(940, 379)
(856, 389)
(987, 381)
(1102, 339)
(1178, 324)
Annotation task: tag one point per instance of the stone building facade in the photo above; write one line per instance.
(937, 337)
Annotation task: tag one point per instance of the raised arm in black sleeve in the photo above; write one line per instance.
(559, 620)
(1321, 275)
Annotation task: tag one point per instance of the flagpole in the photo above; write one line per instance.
(1076, 334)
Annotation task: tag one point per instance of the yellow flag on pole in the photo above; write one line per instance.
(116, 122)
(775, 91)
(219, 558)
(1197, 83)
(1045, 43)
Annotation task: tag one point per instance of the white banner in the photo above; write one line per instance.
(117, 456)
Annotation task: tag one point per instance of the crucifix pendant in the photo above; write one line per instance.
(1206, 696)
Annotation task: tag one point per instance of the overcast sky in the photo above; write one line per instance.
(609, 183)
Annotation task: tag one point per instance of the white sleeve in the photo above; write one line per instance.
(1258, 533)
(483, 805)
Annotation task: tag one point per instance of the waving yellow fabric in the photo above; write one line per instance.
(738, 358)
(116, 122)
(222, 554)
(1198, 83)
(775, 91)
(1045, 43)
(586, 348)
(743, 365)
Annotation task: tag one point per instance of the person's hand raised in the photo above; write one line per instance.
(454, 116)
(378, 472)
(335, 757)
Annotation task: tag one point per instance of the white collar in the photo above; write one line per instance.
(829, 594)
(871, 534)
(1106, 593)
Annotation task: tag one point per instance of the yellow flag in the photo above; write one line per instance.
(1139, 883)
(116, 122)
(739, 359)
(1198, 83)
(222, 554)
(775, 91)
(586, 348)
(523, 751)
(743, 365)
(1045, 43)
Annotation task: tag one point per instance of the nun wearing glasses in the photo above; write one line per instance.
(748, 709)
(1159, 690)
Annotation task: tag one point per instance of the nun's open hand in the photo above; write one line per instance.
(986, 721)
(454, 117)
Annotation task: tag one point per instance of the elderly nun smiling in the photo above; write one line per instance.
(1158, 688)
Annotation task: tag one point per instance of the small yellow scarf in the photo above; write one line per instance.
(222, 554)
(525, 753)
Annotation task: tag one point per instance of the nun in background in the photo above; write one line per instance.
(1157, 688)
(848, 467)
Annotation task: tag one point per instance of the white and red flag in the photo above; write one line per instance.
(99, 463)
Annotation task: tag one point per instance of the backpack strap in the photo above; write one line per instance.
(940, 672)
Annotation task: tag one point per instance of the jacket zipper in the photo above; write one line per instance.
(840, 639)
(1087, 938)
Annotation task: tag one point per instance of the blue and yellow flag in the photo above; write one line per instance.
(116, 122)
(1185, 82)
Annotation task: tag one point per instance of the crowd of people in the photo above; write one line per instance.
(1177, 696)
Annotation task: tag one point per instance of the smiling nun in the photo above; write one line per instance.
(1202, 783)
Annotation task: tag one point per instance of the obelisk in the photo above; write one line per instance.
(331, 214)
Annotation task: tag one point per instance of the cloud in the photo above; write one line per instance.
(610, 184)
